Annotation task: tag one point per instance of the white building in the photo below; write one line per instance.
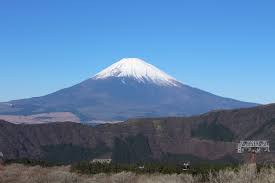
(108, 161)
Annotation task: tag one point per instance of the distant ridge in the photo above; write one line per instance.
(212, 136)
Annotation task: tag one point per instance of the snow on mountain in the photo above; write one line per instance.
(130, 88)
(139, 70)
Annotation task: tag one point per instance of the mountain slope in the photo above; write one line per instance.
(211, 136)
(129, 88)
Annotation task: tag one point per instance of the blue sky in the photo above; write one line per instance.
(224, 47)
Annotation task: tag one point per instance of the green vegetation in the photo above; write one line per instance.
(68, 153)
(29, 162)
(126, 151)
(213, 131)
(132, 149)
(194, 160)
(86, 167)
(148, 168)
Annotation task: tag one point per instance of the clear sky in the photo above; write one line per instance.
(226, 47)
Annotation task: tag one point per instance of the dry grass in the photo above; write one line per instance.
(17, 173)
(246, 174)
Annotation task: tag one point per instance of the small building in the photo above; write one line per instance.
(107, 161)
(186, 166)
(141, 167)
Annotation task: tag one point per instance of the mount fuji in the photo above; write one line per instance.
(130, 88)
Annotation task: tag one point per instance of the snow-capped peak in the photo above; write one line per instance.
(139, 70)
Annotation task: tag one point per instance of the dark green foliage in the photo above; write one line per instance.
(68, 153)
(120, 152)
(132, 149)
(95, 168)
(149, 168)
(213, 131)
(29, 162)
(90, 168)
(196, 161)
